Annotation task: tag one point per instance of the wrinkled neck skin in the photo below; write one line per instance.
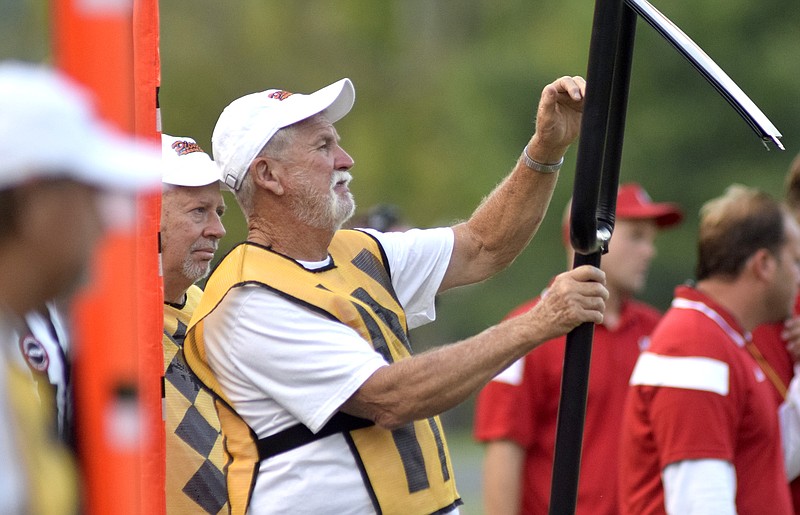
(291, 237)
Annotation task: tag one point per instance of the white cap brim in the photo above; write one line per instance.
(48, 128)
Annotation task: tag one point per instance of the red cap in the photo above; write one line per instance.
(633, 203)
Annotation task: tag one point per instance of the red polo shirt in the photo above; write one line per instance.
(522, 405)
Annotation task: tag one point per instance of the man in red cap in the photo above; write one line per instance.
(516, 412)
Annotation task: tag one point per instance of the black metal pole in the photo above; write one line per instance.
(594, 125)
(592, 222)
(571, 410)
(594, 198)
(615, 136)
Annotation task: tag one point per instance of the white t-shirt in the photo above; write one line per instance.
(280, 363)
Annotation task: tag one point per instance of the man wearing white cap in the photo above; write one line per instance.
(58, 164)
(191, 227)
(303, 328)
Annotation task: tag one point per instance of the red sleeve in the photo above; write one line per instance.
(499, 405)
(688, 423)
(494, 412)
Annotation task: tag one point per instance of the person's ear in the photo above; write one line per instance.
(763, 264)
(266, 175)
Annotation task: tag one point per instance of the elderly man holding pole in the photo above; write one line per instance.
(302, 329)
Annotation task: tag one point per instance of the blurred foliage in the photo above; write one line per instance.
(446, 97)
(446, 94)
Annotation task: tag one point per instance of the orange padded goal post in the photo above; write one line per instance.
(111, 46)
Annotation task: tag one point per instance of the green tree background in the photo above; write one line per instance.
(446, 96)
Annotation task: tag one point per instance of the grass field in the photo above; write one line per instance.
(467, 457)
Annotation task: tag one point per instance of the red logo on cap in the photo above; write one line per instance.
(280, 95)
(184, 147)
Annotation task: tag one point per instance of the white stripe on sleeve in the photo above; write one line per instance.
(690, 373)
(513, 374)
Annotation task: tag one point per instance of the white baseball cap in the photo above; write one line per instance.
(248, 123)
(49, 128)
(185, 163)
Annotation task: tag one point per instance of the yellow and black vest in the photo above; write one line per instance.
(50, 468)
(407, 470)
(195, 459)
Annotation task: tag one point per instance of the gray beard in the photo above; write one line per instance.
(193, 271)
(321, 211)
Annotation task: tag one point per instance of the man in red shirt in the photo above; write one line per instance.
(700, 430)
(516, 412)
